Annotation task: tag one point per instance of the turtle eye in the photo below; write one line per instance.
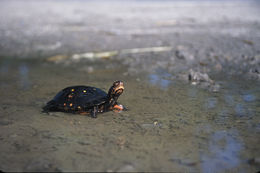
(116, 83)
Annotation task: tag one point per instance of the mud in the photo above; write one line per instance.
(169, 126)
(192, 109)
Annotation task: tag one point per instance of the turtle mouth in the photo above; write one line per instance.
(119, 91)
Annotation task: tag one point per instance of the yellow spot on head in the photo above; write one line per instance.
(71, 104)
(72, 90)
(84, 91)
(79, 107)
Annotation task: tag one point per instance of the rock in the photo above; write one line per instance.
(5, 122)
(203, 79)
(41, 165)
(182, 53)
(199, 77)
(254, 73)
(126, 168)
(186, 162)
(87, 69)
(155, 123)
(254, 161)
(218, 67)
(249, 42)
(121, 140)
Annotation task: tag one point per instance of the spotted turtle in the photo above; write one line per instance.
(86, 100)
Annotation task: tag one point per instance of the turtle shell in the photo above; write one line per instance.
(77, 98)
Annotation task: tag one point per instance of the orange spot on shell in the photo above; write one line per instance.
(64, 104)
(71, 104)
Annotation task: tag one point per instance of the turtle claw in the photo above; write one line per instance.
(125, 109)
(119, 108)
(94, 113)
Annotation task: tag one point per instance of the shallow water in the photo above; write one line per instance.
(170, 125)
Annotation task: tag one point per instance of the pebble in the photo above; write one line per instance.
(88, 69)
(254, 161)
(121, 140)
(126, 168)
(41, 165)
(218, 67)
(198, 76)
(184, 54)
(202, 79)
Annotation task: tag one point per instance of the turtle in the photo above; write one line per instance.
(86, 100)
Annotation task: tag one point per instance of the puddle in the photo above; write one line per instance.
(161, 79)
(169, 125)
(211, 103)
(223, 152)
(155, 79)
(248, 97)
(229, 100)
(23, 75)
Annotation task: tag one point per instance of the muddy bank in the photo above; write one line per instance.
(169, 125)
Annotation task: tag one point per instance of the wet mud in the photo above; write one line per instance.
(170, 125)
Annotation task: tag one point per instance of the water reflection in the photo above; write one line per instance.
(224, 149)
(4, 68)
(223, 117)
(211, 103)
(242, 110)
(155, 79)
(240, 107)
(257, 128)
(24, 79)
(229, 99)
(160, 78)
(248, 97)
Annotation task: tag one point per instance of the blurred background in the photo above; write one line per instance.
(198, 31)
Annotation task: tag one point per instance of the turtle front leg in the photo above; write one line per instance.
(93, 112)
(118, 108)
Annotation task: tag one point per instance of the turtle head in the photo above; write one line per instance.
(116, 90)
